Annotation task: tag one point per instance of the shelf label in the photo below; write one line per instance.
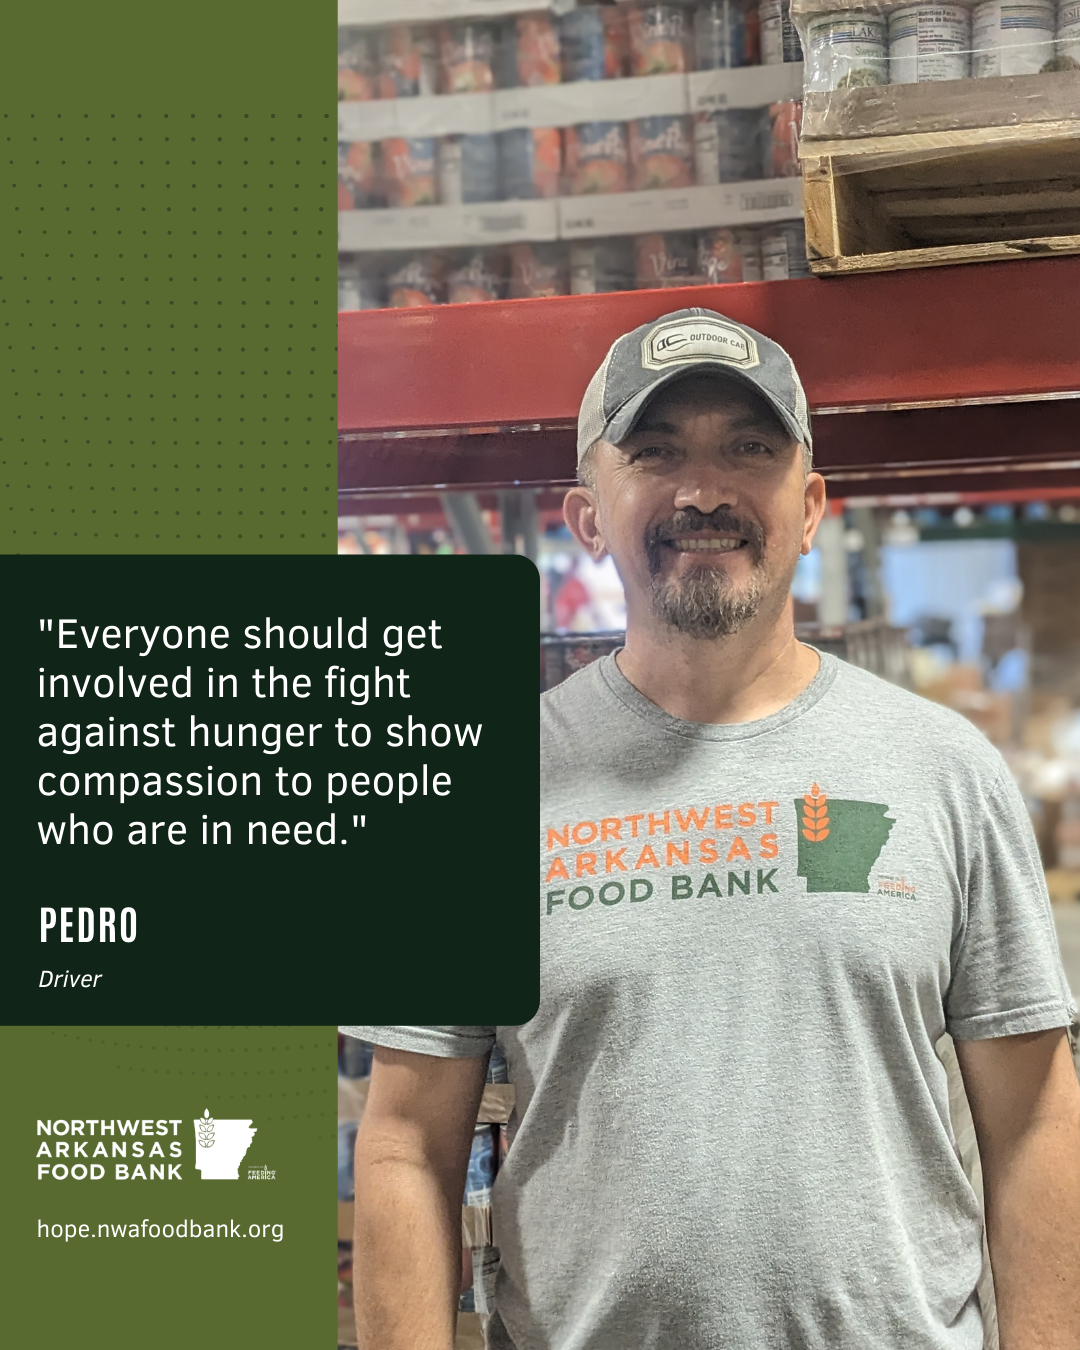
(766, 201)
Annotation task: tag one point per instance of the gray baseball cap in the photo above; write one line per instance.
(688, 341)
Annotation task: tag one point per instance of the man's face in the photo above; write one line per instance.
(705, 507)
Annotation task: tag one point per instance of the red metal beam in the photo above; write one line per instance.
(990, 331)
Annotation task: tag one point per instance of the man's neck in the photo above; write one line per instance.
(741, 678)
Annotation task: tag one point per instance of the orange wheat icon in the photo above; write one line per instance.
(815, 817)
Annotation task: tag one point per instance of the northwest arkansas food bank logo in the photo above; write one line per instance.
(221, 1146)
(839, 841)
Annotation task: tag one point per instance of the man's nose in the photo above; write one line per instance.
(705, 490)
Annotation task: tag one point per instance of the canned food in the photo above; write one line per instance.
(727, 255)
(929, 42)
(783, 252)
(599, 266)
(416, 281)
(538, 270)
(530, 52)
(357, 179)
(1012, 37)
(659, 40)
(661, 153)
(468, 168)
(408, 170)
(1068, 35)
(665, 260)
(724, 35)
(356, 78)
(846, 51)
(779, 36)
(467, 58)
(357, 287)
(729, 145)
(530, 161)
(475, 276)
(589, 43)
(407, 62)
(596, 158)
(782, 158)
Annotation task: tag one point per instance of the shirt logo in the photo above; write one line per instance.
(687, 341)
(839, 841)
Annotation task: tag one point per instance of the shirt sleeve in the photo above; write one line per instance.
(1007, 977)
(443, 1042)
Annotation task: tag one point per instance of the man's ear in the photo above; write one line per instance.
(813, 509)
(582, 516)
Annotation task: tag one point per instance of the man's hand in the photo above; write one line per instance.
(412, 1153)
(1025, 1102)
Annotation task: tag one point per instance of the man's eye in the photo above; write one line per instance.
(650, 452)
(755, 448)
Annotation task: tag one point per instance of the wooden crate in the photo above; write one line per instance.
(925, 175)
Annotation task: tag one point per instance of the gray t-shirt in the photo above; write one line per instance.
(732, 1130)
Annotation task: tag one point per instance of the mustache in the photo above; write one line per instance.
(690, 520)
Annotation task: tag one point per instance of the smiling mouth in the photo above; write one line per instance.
(691, 544)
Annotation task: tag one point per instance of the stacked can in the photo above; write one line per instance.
(467, 57)
(729, 255)
(929, 42)
(538, 270)
(600, 265)
(779, 37)
(417, 281)
(1012, 37)
(729, 145)
(357, 176)
(590, 43)
(726, 34)
(597, 153)
(785, 125)
(847, 50)
(660, 42)
(358, 288)
(356, 78)
(468, 169)
(783, 251)
(530, 158)
(668, 259)
(476, 275)
(407, 62)
(661, 153)
(1068, 35)
(408, 170)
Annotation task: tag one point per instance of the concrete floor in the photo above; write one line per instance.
(1067, 918)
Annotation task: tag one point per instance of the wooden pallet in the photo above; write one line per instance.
(992, 172)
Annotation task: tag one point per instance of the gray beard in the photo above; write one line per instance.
(704, 604)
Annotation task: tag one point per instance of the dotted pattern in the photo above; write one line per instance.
(168, 312)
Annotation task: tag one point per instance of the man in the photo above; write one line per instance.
(770, 884)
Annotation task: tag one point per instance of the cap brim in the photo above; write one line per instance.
(625, 419)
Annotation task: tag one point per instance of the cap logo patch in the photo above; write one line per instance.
(688, 341)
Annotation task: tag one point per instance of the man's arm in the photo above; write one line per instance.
(1025, 1102)
(412, 1153)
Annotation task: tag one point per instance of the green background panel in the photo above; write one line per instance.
(109, 1291)
(168, 279)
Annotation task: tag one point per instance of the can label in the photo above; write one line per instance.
(779, 36)
(537, 270)
(729, 145)
(929, 42)
(534, 51)
(783, 252)
(407, 62)
(722, 38)
(467, 58)
(598, 267)
(596, 158)
(357, 185)
(661, 153)
(665, 259)
(589, 51)
(729, 255)
(1010, 38)
(418, 281)
(408, 170)
(785, 121)
(474, 280)
(356, 75)
(1068, 36)
(658, 40)
(846, 51)
(531, 162)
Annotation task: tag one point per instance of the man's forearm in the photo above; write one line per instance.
(1033, 1231)
(407, 1253)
